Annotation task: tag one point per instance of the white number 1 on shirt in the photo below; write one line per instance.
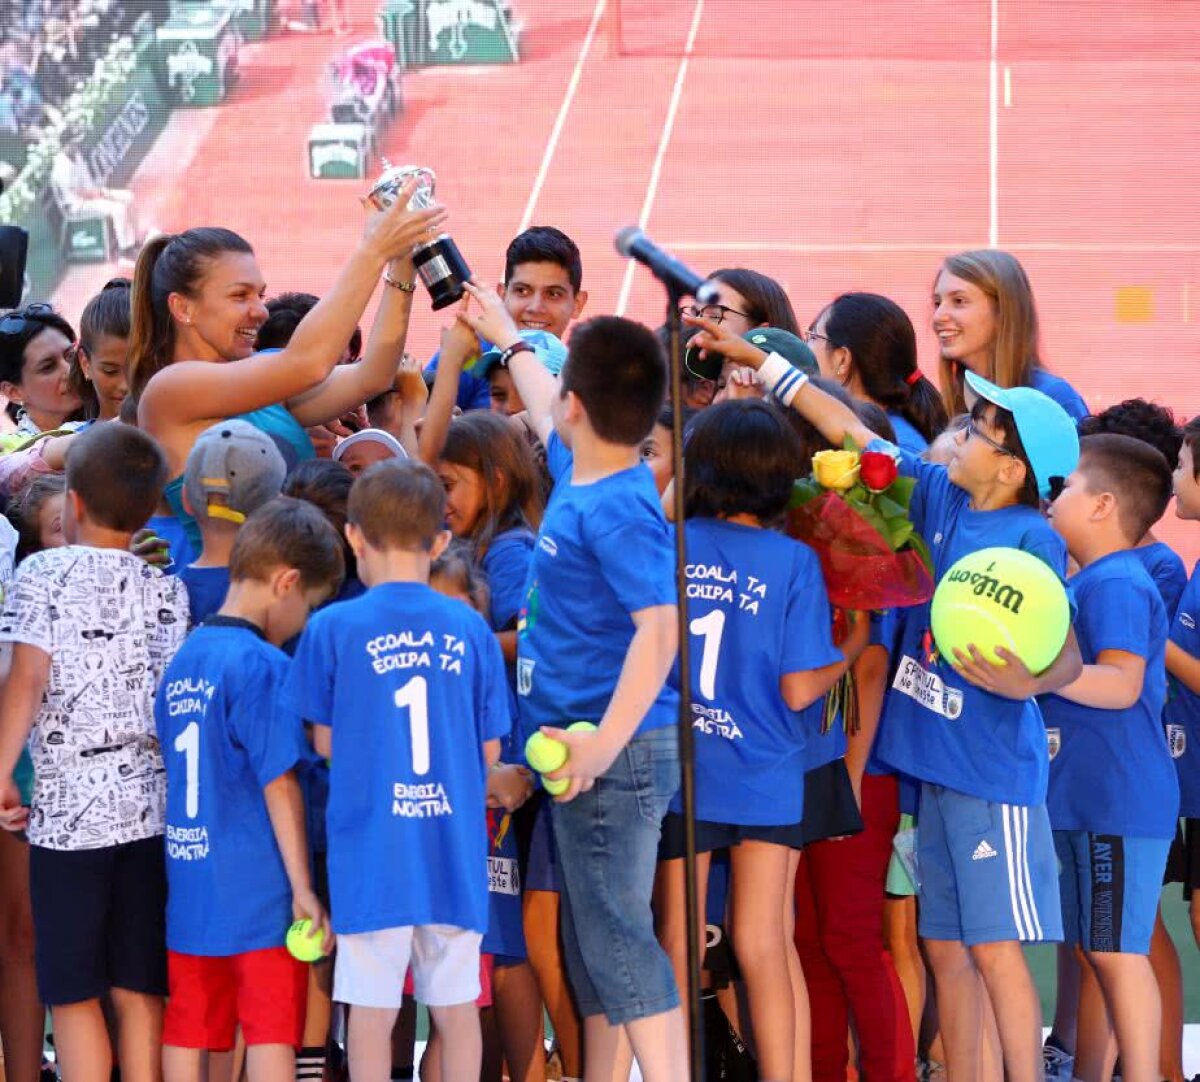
(188, 742)
(413, 695)
(711, 627)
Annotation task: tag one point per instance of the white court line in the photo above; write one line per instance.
(1099, 248)
(561, 119)
(993, 136)
(663, 142)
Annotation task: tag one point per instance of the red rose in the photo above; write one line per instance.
(877, 470)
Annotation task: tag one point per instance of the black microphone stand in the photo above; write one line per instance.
(686, 738)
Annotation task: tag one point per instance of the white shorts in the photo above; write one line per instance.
(370, 966)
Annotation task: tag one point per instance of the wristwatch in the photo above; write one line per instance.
(520, 346)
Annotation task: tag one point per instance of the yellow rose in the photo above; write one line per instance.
(836, 469)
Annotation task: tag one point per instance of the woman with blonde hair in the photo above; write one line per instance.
(986, 322)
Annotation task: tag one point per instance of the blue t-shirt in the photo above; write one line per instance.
(223, 740)
(1182, 712)
(940, 728)
(474, 393)
(412, 685)
(171, 530)
(907, 437)
(206, 588)
(1167, 570)
(604, 551)
(1110, 772)
(1060, 390)
(505, 565)
(758, 610)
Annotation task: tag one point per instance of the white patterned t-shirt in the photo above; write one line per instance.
(110, 624)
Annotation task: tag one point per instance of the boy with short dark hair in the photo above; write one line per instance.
(596, 641)
(542, 290)
(970, 730)
(237, 855)
(405, 689)
(1113, 796)
(1182, 712)
(93, 627)
(231, 471)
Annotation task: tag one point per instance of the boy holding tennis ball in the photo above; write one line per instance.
(968, 728)
(406, 692)
(237, 855)
(1114, 797)
(596, 642)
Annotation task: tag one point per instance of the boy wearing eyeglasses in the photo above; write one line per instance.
(970, 730)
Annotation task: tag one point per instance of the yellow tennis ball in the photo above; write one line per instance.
(555, 788)
(544, 753)
(1001, 597)
(581, 727)
(304, 941)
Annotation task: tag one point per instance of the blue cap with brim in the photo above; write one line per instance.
(1047, 431)
(549, 349)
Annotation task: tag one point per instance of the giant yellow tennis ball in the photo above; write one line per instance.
(1001, 597)
(304, 941)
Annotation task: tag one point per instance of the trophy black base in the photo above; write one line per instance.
(443, 270)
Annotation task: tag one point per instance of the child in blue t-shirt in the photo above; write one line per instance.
(1113, 796)
(969, 729)
(762, 659)
(1183, 664)
(237, 853)
(596, 641)
(405, 690)
(232, 470)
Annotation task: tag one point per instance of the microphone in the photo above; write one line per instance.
(632, 243)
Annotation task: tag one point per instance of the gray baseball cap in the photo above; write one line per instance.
(232, 470)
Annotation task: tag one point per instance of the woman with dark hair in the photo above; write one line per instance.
(198, 304)
(35, 342)
(100, 359)
(753, 298)
(986, 322)
(35, 346)
(867, 344)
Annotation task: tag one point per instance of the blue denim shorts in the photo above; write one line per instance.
(607, 842)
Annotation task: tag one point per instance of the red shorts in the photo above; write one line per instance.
(485, 982)
(264, 991)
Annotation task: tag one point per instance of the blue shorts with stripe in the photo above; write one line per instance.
(988, 871)
(1110, 886)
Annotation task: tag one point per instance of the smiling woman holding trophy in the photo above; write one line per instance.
(198, 303)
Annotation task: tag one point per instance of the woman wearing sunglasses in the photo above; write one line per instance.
(986, 322)
(36, 344)
(198, 304)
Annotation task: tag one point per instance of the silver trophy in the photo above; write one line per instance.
(439, 263)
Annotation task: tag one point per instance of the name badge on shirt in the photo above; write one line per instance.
(927, 688)
(524, 675)
(1053, 741)
(503, 876)
(1176, 740)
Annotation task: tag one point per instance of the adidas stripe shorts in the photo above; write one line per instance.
(988, 871)
(1110, 887)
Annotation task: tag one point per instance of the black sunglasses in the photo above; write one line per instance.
(15, 323)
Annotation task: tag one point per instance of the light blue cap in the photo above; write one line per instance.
(549, 349)
(1047, 431)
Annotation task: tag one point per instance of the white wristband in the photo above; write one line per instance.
(781, 378)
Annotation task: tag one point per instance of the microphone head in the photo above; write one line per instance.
(626, 238)
(707, 294)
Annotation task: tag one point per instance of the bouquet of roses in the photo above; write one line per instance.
(853, 512)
